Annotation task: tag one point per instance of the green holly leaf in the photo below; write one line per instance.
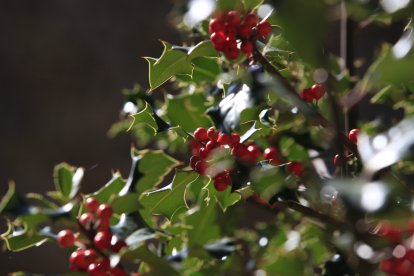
(267, 181)
(250, 5)
(169, 199)
(227, 198)
(205, 69)
(11, 202)
(149, 117)
(127, 203)
(67, 180)
(203, 225)
(158, 265)
(112, 188)
(176, 61)
(18, 239)
(188, 112)
(154, 166)
(226, 5)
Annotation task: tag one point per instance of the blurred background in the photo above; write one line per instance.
(63, 65)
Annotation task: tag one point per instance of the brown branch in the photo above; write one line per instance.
(309, 212)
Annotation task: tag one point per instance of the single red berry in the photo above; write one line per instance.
(219, 41)
(118, 245)
(232, 53)
(200, 134)
(95, 269)
(102, 240)
(66, 238)
(253, 153)
(251, 20)
(401, 267)
(220, 183)
(193, 161)
(105, 211)
(270, 153)
(235, 138)
(92, 204)
(201, 167)
(90, 256)
(103, 224)
(317, 91)
(87, 220)
(239, 150)
(245, 31)
(264, 29)
(211, 145)
(212, 134)
(233, 18)
(337, 160)
(386, 266)
(353, 135)
(203, 153)
(409, 255)
(195, 147)
(117, 271)
(306, 95)
(224, 139)
(389, 232)
(295, 168)
(77, 259)
(247, 48)
(215, 26)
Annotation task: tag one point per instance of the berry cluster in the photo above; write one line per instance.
(353, 137)
(402, 260)
(95, 241)
(315, 92)
(206, 141)
(228, 28)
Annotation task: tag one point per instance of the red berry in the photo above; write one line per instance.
(203, 153)
(251, 20)
(353, 135)
(95, 269)
(409, 255)
(306, 95)
(194, 160)
(66, 238)
(275, 161)
(224, 139)
(195, 147)
(201, 167)
(219, 41)
(317, 91)
(104, 211)
(200, 134)
(91, 204)
(247, 48)
(245, 31)
(215, 26)
(239, 150)
(386, 266)
(231, 33)
(211, 145)
(295, 168)
(87, 220)
(90, 255)
(220, 183)
(337, 160)
(264, 29)
(118, 245)
(235, 138)
(233, 18)
(77, 260)
(270, 153)
(117, 271)
(253, 152)
(212, 134)
(232, 53)
(102, 240)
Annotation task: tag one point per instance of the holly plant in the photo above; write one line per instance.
(248, 156)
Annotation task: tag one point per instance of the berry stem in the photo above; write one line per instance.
(90, 235)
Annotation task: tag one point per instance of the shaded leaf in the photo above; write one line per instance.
(204, 227)
(149, 117)
(166, 201)
(19, 238)
(67, 180)
(11, 202)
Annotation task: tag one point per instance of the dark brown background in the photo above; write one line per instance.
(63, 64)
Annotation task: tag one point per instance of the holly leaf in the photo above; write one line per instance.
(12, 202)
(205, 69)
(203, 224)
(188, 112)
(267, 181)
(20, 238)
(167, 200)
(250, 5)
(176, 61)
(158, 265)
(149, 117)
(67, 180)
(112, 188)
